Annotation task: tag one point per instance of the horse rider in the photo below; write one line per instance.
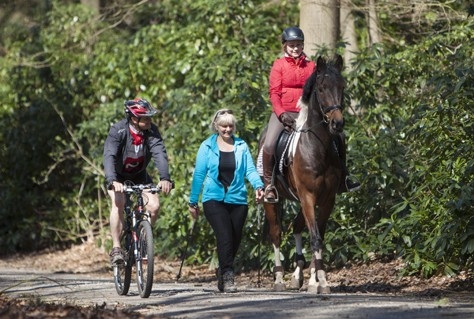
(287, 78)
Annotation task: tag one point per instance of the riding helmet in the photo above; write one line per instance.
(139, 108)
(292, 34)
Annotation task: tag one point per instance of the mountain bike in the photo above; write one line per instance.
(136, 241)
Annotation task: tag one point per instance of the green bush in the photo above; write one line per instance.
(66, 74)
(410, 143)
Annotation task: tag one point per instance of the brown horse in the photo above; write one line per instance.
(312, 172)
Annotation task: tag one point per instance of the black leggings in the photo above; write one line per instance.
(227, 221)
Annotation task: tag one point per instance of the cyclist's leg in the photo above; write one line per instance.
(153, 202)
(153, 206)
(116, 216)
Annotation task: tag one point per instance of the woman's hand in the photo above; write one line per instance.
(259, 193)
(194, 210)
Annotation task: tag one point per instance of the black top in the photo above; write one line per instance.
(226, 168)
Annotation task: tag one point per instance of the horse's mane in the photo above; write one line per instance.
(308, 88)
(328, 67)
(304, 100)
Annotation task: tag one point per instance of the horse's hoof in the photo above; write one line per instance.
(296, 283)
(324, 290)
(313, 289)
(279, 287)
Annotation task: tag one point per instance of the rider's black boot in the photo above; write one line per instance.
(270, 190)
(347, 185)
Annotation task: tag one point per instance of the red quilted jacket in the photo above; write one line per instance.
(287, 78)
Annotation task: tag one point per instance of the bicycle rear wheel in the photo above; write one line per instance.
(123, 272)
(145, 259)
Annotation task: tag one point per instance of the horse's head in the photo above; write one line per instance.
(324, 90)
(330, 92)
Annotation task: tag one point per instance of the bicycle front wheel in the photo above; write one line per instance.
(145, 259)
(123, 272)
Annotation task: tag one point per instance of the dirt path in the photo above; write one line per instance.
(201, 300)
(33, 283)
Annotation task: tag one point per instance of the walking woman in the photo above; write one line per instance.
(223, 163)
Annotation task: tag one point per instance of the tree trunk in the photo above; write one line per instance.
(372, 23)
(348, 32)
(319, 20)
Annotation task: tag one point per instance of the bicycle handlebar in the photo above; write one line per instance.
(141, 187)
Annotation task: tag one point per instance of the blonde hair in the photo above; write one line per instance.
(223, 117)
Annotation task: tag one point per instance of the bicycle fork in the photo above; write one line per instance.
(136, 248)
(136, 236)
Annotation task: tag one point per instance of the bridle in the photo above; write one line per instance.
(324, 112)
(328, 109)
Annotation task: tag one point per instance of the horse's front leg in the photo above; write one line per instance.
(317, 281)
(278, 271)
(272, 213)
(297, 277)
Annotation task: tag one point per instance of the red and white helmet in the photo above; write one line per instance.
(139, 108)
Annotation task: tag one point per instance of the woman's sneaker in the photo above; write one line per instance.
(229, 285)
(220, 280)
(116, 257)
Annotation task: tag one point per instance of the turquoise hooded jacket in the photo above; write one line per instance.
(206, 173)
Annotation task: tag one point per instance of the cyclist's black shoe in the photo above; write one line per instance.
(116, 257)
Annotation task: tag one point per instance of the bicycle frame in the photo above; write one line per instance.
(137, 241)
(134, 215)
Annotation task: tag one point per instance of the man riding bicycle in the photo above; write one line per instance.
(129, 147)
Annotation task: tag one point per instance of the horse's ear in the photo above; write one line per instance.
(320, 64)
(339, 62)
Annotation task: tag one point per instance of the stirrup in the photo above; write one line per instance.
(268, 189)
(355, 185)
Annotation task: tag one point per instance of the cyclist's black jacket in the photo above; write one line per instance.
(114, 148)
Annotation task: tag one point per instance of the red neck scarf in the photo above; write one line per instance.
(137, 136)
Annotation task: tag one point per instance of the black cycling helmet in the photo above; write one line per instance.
(292, 34)
(139, 108)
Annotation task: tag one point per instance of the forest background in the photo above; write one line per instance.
(67, 67)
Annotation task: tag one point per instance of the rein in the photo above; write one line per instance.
(325, 119)
(306, 130)
(324, 111)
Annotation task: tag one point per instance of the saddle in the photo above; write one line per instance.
(282, 156)
(284, 151)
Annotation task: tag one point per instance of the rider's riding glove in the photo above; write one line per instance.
(287, 119)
